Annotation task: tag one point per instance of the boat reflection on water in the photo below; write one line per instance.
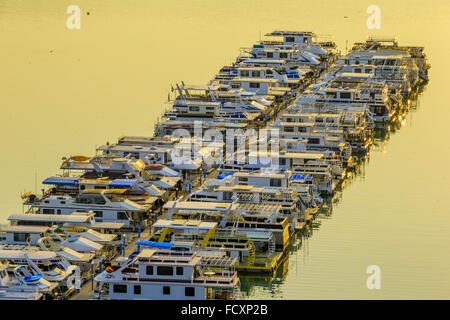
(270, 284)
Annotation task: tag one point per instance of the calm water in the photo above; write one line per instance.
(66, 91)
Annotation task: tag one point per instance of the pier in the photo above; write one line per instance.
(188, 199)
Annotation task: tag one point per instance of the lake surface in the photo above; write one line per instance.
(66, 91)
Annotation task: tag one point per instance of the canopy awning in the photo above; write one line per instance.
(164, 245)
(224, 175)
(300, 177)
(123, 183)
(61, 181)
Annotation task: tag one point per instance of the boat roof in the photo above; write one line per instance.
(355, 75)
(264, 61)
(202, 87)
(74, 218)
(290, 33)
(26, 229)
(163, 257)
(104, 191)
(260, 175)
(20, 254)
(250, 67)
(311, 114)
(388, 56)
(184, 224)
(146, 253)
(264, 80)
(123, 183)
(136, 148)
(61, 181)
(297, 124)
(196, 205)
(107, 225)
(302, 155)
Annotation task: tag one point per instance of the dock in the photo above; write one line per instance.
(189, 198)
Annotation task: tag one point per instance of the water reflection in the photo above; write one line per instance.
(270, 285)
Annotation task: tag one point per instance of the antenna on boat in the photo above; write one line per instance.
(180, 92)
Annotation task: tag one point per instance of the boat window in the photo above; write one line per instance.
(290, 39)
(254, 85)
(235, 86)
(282, 162)
(227, 195)
(179, 271)
(269, 54)
(331, 94)
(164, 271)
(268, 71)
(314, 140)
(283, 55)
(356, 62)
(194, 108)
(390, 62)
(345, 95)
(358, 70)
(149, 270)
(120, 288)
(288, 129)
(256, 73)
(379, 62)
(245, 73)
(21, 237)
(98, 214)
(189, 291)
(121, 215)
(48, 211)
(137, 289)
(166, 290)
(275, 182)
(243, 179)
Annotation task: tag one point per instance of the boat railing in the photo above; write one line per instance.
(218, 278)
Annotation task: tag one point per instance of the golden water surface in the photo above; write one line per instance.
(62, 92)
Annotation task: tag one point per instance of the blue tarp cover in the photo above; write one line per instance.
(223, 175)
(165, 245)
(300, 177)
(122, 183)
(61, 181)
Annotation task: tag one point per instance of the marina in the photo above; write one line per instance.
(187, 212)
